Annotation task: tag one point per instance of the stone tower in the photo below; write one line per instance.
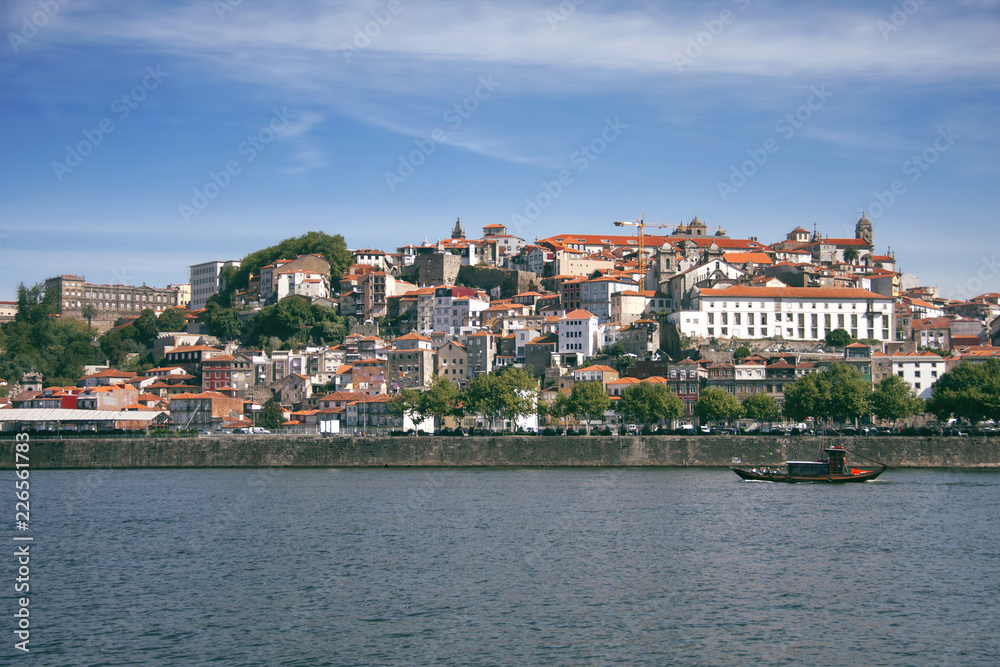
(458, 232)
(863, 230)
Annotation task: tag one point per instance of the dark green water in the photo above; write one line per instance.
(508, 567)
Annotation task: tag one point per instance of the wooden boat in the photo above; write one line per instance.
(831, 470)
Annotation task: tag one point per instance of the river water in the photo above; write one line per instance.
(508, 567)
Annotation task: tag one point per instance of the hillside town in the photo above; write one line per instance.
(691, 309)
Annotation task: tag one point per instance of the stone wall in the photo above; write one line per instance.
(505, 451)
(510, 281)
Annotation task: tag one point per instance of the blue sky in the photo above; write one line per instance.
(139, 138)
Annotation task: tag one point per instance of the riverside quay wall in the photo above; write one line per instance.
(263, 451)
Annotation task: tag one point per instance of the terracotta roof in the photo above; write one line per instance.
(743, 257)
(413, 336)
(578, 314)
(110, 373)
(598, 367)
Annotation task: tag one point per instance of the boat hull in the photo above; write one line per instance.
(860, 476)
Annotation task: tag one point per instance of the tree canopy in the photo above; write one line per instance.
(839, 392)
(271, 416)
(333, 248)
(761, 407)
(838, 338)
(970, 392)
(589, 401)
(292, 320)
(506, 395)
(648, 403)
(438, 401)
(717, 405)
(38, 340)
(893, 399)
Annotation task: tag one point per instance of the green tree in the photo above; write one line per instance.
(271, 416)
(893, 399)
(333, 248)
(223, 322)
(172, 319)
(741, 353)
(807, 396)
(717, 405)
(561, 407)
(589, 401)
(838, 338)
(90, 313)
(147, 327)
(405, 404)
(970, 392)
(37, 340)
(115, 346)
(647, 403)
(438, 401)
(850, 393)
(851, 255)
(761, 407)
(839, 392)
(506, 395)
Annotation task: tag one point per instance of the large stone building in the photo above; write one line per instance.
(110, 302)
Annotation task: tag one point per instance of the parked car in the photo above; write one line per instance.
(257, 430)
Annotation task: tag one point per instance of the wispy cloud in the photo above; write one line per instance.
(430, 49)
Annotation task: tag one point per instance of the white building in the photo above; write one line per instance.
(920, 370)
(452, 312)
(206, 280)
(788, 313)
(579, 334)
(521, 338)
(303, 283)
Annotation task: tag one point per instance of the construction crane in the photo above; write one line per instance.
(640, 224)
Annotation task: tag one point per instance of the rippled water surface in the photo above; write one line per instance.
(573, 567)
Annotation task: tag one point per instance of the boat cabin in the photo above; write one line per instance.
(809, 468)
(834, 465)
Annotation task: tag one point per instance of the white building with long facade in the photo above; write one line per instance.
(787, 313)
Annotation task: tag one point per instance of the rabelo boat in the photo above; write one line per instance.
(831, 470)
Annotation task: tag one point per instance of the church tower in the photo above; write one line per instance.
(458, 232)
(863, 230)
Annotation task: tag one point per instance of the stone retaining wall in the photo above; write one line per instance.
(502, 451)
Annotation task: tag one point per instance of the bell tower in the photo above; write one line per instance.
(863, 230)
